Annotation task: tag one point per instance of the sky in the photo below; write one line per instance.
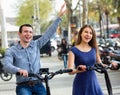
(9, 7)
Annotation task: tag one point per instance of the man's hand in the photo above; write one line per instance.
(23, 73)
(62, 10)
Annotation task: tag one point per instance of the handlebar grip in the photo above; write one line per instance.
(79, 69)
(67, 70)
(63, 71)
(29, 74)
(18, 73)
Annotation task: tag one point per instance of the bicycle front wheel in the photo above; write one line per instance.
(6, 76)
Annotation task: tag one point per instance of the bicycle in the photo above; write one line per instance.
(45, 76)
(3, 74)
(102, 69)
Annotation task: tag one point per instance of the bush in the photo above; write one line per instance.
(2, 51)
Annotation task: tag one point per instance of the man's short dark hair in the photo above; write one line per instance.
(27, 25)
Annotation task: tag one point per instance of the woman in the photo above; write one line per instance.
(64, 51)
(85, 53)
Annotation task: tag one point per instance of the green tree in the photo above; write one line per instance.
(105, 6)
(116, 5)
(27, 11)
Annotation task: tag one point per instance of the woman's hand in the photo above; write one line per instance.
(81, 68)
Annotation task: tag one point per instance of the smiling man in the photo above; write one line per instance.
(24, 57)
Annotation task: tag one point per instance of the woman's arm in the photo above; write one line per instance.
(98, 59)
(71, 58)
(71, 61)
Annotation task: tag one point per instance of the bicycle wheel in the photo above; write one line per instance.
(6, 76)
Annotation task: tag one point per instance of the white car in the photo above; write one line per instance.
(53, 45)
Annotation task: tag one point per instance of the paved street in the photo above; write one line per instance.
(61, 84)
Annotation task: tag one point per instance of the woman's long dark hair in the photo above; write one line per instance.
(63, 40)
(93, 42)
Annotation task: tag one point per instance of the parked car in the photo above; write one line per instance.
(46, 49)
(53, 45)
(115, 33)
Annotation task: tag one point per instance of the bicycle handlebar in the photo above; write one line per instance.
(97, 67)
(49, 75)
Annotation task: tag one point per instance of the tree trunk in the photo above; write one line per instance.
(85, 12)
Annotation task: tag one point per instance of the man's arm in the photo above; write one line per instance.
(8, 62)
(52, 28)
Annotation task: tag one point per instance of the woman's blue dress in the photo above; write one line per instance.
(85, 83)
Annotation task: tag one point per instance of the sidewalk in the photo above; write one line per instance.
(61, 84)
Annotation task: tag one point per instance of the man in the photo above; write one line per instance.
(24, 57)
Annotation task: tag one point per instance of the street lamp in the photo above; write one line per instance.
(36, 18)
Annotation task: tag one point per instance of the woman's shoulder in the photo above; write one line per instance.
(73, 49)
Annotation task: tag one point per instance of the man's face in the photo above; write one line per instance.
(26, 35)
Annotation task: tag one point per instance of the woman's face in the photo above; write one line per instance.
(86, 35)
(63, 41)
